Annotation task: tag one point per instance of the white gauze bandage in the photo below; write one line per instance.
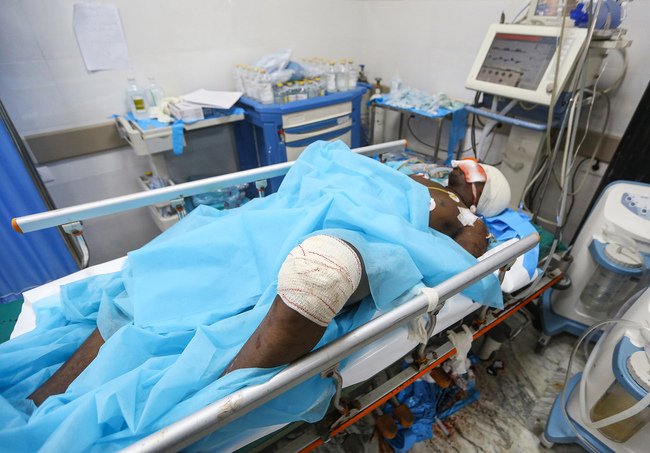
(318, 277)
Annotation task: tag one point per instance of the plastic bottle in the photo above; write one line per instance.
(342, 77)
(248, 82)
(302, 91)
(266, 89)
(331, 78)
(352, 75)
(320, 84)
(395, 83)
(155, 93)
(239, 82)
(278, 93)
(256, 82)
(291, 92)
(135, 97)
(324, 66)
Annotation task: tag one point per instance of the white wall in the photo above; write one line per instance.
(433, 44)
(184, 44)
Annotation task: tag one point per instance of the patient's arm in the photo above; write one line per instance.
(58, 383)
(473, 238)
(285, 335)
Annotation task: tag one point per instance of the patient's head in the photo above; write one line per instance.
(482, 186)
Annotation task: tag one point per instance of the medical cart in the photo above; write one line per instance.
(275, 133)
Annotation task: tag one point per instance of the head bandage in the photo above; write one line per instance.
(472, 170)
(318, 277)
(496, 193)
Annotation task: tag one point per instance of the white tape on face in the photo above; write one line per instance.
(318, 277)
(465, 217)
(432, 205)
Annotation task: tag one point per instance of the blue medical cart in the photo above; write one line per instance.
(274, 133)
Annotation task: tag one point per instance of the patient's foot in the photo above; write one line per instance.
(69, 371)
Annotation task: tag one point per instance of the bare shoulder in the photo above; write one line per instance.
(424, 181)
(473, 238)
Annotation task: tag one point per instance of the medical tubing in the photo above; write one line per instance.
(199, 424)
(597, 147)
(593, 92)
(554, 94)
(618, 81)
(578, 73)
(552, 156)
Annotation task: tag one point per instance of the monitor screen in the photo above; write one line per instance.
(517, 60)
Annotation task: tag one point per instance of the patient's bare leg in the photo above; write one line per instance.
(58, 383)
(285, 335)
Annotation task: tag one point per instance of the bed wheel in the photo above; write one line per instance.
(545, 442)
(386, 426)
(541, 343)
(563, 283)
(404, 415)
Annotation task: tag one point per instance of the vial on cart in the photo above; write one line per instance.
(320, 83)
(352, 75)
(342, 77)
(266, 90)
(312, 89)
(331, 78)
(291, 92)
(278, 93)
(136, 99)
(302, 91)
(155, 93)
(239, 74)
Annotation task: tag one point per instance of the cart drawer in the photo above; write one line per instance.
(314, 115)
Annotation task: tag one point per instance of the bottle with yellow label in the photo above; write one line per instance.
(135, 97)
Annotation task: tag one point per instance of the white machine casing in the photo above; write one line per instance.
(610, 212)
(601, 377)
(573, 40)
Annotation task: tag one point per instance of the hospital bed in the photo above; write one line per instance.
(371, 347)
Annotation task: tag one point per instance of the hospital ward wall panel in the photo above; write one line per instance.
(433, 44)
(185, 45)
(95, 177)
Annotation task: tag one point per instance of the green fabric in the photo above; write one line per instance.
(546, 240)
(8, 316)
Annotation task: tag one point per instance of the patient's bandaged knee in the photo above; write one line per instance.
(318, 277)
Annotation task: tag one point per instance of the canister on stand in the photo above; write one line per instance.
(620, 268)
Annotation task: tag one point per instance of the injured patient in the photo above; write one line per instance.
(224, 299)
(323, 274)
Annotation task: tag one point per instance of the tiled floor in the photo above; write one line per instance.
(508, 417)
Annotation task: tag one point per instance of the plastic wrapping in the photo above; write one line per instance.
(430, 403)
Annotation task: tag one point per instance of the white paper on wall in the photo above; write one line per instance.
(100, 36)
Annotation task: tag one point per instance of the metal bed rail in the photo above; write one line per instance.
(75, 214)
(218, 414)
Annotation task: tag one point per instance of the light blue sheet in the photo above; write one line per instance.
(198, 291)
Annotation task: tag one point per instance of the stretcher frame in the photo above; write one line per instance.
(324, 360)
